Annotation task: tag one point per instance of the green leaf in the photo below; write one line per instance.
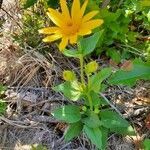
(2, 89)
(145, 3)
(132, 36)
(38, 147)
(104, 132)
(114, 55)
(116, 123)
(87, 45)
(92, 120)
(92, 5)
(3, 107)
(95, 135)
(53, 3)
(29, 3)
(71, 53)
(140, 70)
(96, 80)
(73, 131)
(71, 90)
(146, 144)
(124, 130)
(95, 98)
(68, 113)
(111, 119)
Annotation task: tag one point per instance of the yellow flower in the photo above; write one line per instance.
(70, 25)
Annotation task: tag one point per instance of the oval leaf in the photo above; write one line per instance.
(95, 135)
(87, 45)
(68, 113)
(112, 120)
(96, 80)
(140, 70)
(71, 53)
(73, 131)
(92, 120)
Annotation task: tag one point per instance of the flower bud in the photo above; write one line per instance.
(68, 75)
(91, 67)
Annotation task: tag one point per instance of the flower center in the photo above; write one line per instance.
(69, 24)
(70, 28)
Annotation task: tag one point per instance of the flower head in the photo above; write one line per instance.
(70, 25)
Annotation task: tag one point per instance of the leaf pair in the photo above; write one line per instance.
(90, 125)
(96, 126)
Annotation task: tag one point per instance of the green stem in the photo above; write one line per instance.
(83, 81)
(82, 70)
(90, 101)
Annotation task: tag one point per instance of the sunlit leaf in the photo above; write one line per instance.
(71, 90)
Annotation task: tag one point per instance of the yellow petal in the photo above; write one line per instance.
(84, 31)
(83, 8)
(55, 16)
(64, 8)
(73, 39)
(49, 30)
(52, 38)
(89, 15)
(75, 9)
(63, 43)
(92, 24)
